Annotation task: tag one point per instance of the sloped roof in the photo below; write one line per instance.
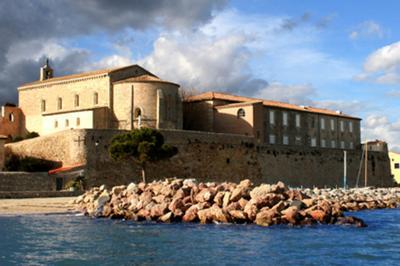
(207, 96)
(81, 75)
(66, 168)
(144, 78)
(232, 105)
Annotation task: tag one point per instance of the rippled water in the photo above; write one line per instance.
(71, 240)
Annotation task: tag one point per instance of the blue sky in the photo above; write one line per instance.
(341, 55)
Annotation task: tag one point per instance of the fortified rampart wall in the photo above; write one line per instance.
(66, 146)
(210, 157)
(22, 181)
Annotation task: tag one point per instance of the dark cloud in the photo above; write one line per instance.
(25, 20)
(292, 23)
(325, 21)
(27, 70)
(144, 13)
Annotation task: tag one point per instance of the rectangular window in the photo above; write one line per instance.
(55, 124)
(342, 144)
(351, 145)
(396, 166)
(297, 120)
(285, 118)
(78, 121)
(59, 103)
(341, 126)
(76, 101)
(66, 123)
(322, 123)
(298, 140)
(332, 125)
(313, 142)
(312, 122)
(271, 139)
(43, 105)
(272, 117)
(285, 140)
(333, 144)
(350, 126)
(95, 98)
(323, 143)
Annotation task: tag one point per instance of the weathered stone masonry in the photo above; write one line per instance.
(210, 157)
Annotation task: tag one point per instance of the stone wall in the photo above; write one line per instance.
(221, 157)
(21, 181)
(66, 146)
(2, 141)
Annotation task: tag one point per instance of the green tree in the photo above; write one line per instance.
(142, 145)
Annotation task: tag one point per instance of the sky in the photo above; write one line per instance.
(341, 55)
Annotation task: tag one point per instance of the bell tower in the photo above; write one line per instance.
(46, 72)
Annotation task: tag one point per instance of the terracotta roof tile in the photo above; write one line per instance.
(144, 78)
(238, 104)
(79, 75)
(233, 98)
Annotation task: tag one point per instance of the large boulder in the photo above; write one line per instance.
(266, 217)
(260, 191)
(205, 195)
(158, 210)
(291, 215)
(238, 216)
(177, 207)
(250, 210)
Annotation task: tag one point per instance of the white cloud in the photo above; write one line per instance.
(296, 94)
(367, 29)
(109, 62)
(201, 61)
(383, 65)
(240, 53)
(348, 107)
(380, 127)
(385, 58)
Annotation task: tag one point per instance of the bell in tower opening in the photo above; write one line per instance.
(46, 72)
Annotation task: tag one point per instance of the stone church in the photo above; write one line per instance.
(118, 98)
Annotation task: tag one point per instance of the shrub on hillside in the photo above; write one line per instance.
(30, 135)
(29, 164)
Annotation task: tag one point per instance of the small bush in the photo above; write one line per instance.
(29, 164)
(30, 135)
(78, 183)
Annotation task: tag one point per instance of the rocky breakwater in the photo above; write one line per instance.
(177, 200)
(356, 199)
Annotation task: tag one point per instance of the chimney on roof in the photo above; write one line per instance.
(46, 72)
(339, 112)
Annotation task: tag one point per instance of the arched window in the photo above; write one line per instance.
(96, 98)
(138, 112)
(11, 117)
(241, 113)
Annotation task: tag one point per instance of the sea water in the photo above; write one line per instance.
(79, 240)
